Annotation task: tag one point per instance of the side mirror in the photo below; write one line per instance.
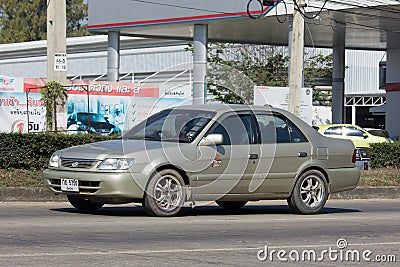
(365, 135)
(212, 139)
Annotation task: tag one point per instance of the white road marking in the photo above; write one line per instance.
(307, 246)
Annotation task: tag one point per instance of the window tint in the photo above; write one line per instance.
(278, 129)
(296, 136)
(353, 131)
(334, 130)
(282, 130)
(172, 125)
(236, 130)
(267, 128)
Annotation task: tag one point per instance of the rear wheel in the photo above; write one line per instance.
(231, 205)
(165, 194)
(84, 204)
(310, 193)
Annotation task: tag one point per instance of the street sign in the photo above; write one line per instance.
(60, 62)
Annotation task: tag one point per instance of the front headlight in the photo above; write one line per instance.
(116, 164)
(54, 161)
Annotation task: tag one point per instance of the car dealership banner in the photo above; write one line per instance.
(278, 97)
(19, 113)
(21, 109)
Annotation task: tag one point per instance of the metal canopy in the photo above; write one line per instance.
(368, 23)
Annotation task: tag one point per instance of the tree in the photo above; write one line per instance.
(53, 95)
(236, 68)
(264, 65)
(26, 20)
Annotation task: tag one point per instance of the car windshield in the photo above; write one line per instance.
(93, 117)
(172, 125)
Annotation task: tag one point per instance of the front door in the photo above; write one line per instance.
(232, 164)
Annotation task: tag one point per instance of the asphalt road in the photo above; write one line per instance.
(54, 234)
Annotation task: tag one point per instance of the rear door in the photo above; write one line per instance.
(284, 149)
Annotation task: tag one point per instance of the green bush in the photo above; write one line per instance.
(385, 155)
(33, 151)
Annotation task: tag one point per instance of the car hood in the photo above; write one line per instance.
(113, 148)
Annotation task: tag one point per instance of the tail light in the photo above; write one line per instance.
(355, 154)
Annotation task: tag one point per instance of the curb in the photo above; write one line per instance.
(370, 192)
(21, 194)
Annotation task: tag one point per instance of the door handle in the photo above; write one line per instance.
(253, 156)
(302, 154)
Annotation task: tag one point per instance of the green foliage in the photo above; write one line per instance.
(77, 15)
(318, 67)
(228, 97)
(26, 20)
(385, 155)
(53, 93)
(263, 65)
(33, 151)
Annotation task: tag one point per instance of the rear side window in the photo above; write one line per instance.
(334, 130)
(353, 131)
(278, 129)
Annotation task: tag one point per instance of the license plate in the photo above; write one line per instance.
(70, 185)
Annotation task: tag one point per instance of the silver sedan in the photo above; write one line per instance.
(230, 154)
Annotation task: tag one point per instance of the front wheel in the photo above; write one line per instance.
(165, 194)
(310, 193)
(84, 204)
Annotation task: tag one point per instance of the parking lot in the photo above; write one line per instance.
(49, 234)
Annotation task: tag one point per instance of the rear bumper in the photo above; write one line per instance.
(344, 179)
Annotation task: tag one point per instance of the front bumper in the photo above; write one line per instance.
(98, 184)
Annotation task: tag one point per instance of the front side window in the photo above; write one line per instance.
(172, 125)
(235, 129)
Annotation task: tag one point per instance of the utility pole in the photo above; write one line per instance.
(57, 51)
(296, 59)
(200, 37)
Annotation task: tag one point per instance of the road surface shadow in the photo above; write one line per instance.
(211, 210)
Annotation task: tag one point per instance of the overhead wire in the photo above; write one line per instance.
(286, 13)
(304, 14)
(249, 13)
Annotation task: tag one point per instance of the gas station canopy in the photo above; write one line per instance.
(368, 24)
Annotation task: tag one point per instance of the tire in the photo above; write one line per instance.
(309, 194)
(165, 194)
(231, 205)
(84, 204)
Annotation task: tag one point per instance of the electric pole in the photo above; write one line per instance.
(57, 52)
(296, 59)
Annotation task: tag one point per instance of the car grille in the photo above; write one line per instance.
(78, 163)
(85, 187)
